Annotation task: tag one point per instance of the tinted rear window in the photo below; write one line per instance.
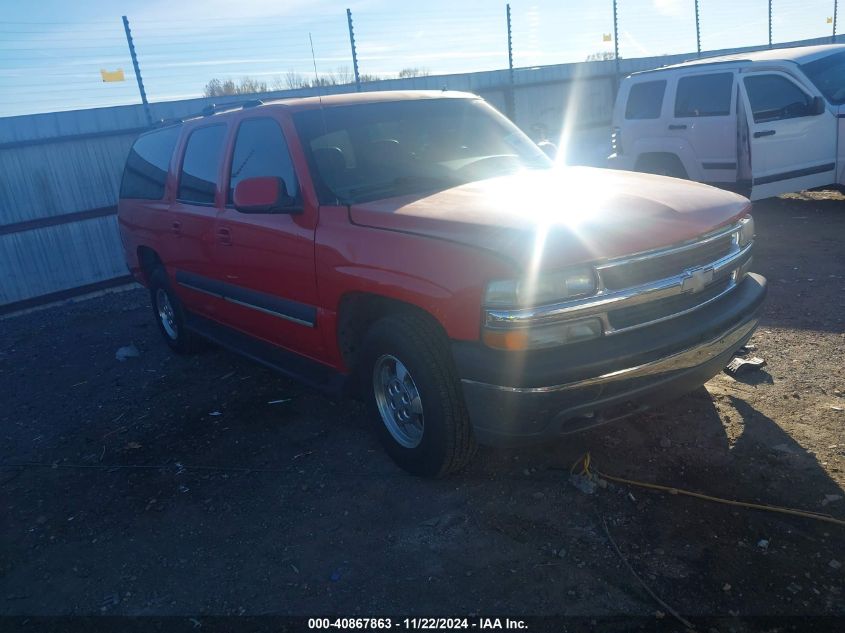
(704, 95)
(198, 179)
(147, 164)
(645, 100)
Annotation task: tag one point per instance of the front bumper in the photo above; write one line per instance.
(518, 398)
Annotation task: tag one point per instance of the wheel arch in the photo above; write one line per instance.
(359, 310)
(148, 260)
(653, 162)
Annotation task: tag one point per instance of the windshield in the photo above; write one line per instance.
(828, 74)
(380, 150)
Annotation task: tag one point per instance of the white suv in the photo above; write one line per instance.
(762, 123)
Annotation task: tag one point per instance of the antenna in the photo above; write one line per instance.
(316, 76)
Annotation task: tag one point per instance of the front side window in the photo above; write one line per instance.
(261, 150)
(773, 97)
(198, 179)
(645, 100)
(147, 164)
(380, 150)
(828, 74)
(704, 95)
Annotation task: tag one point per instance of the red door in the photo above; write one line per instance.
(190, 222)
(266, 260)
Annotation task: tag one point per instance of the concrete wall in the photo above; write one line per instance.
(61, 171)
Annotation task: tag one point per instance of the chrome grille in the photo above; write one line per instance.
(663, 308)
(639, 271)
(646, 288)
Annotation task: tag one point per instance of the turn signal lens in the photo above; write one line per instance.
(745, 235)
(546, 336)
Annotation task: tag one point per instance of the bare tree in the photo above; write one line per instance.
(343, 75)
(247, 85)
(291, 80)
(601, 56)
(405, 73)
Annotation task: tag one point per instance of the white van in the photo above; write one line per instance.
(761, 123)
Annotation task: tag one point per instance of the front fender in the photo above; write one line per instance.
(445, 279)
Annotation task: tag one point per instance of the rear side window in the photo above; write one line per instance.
(773, 97)
(147, 164)
(261, 150)
(704, 95)
(198, 179)
(645, 100)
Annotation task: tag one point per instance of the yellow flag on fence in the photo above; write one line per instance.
(113, 75)
(606, 37)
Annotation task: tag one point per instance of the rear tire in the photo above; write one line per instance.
(414, 396)
(170, 315)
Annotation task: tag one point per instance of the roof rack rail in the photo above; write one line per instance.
(213, 108)
(209, 110)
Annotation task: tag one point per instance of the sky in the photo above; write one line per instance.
(52, 51)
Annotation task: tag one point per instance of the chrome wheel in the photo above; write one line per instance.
(166, 314)
(398, 401)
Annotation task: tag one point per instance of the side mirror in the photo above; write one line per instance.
(818, 106)
(265, 194)
(549, 148)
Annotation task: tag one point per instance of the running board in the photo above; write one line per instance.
(292, 365)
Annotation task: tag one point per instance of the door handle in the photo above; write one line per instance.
(677, 126)
(224, 236)
(176, 228)
(764, 133)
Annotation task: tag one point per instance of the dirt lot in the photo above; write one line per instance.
(164, 485)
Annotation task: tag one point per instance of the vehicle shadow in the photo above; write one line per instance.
(798, 249)
(716, 443)
(708, 441)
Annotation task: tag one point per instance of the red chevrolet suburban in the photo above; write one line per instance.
(418, 250)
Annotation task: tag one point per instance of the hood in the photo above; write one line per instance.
(562, 216)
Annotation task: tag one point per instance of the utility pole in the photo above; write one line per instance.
(835, 8)
(616, 44)
(697, 30)
(511, 104)
(354, 50)
(770, 23)
(137, 69)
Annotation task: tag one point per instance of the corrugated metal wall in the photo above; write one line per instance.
(60, 172)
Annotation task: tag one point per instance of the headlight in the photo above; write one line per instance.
(543, 289)
(745, 234)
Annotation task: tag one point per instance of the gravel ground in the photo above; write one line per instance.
(164, 485)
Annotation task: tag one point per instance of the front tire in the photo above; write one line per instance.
(170, 315)
(414, 396)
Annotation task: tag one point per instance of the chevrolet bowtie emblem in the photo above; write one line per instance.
(696, 280)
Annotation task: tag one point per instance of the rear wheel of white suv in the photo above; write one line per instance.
(662, 165)
(170, 316)
(414, 396)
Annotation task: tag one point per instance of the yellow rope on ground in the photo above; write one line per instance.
(585, 471)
